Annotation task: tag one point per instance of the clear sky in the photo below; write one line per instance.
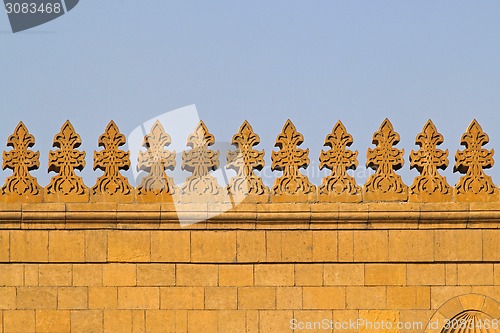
(314, 62)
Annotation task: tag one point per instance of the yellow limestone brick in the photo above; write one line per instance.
(371, 245)
(160, 321)
(441, 294)
(475, 274)
(256, 298)
(96, 245)
(385, 274)
(220, 298)
(408, 297)
(366, 297)
(182, 297)
(119, 275)
(425, 274)
(346, 245)
(29, 246)
(251, 246)
(39, 298)
(497, 274)
(129, 246)
(252, 321)
(274, 275)
(117, 321)
(171, 246)
(50, 321)
(273, 246)
(54, 275)
(155, 274)
(7, 298)
(289, 298)
(66, 246)
(297, 246)
(458, 245)
(19, 321)
(344, 274)
(275, 321)
(72, 298)
(4, 245)
(139, 321)
(87, 275)
(235, 275)
(451, 274)
(213, 246)
(138, 298)
(411, 245)
(196, 275)
(86, 321)
(324, 298)
(31, 275)
(372, 317)
(325, 245)
(103, 297)
(491, 245)
(312, 321)
(11, 275)
(202, 321)
(231, 321)
(308, 274)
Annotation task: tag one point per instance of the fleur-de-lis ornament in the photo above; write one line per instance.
(155, 160)
(474, 185)
(385, 184)
(112, 185)
(429, 186)
(66, 186)
(244, 160)
(339, 186)
(21, 185)
(290, 159)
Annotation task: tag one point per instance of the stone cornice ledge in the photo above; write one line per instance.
(374, 215)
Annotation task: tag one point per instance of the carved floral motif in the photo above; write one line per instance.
(155, 160)
(111, 160)
(475, 184)
(64, 161)
(339, 159)
(244, 160)
(290, 159)
(200, 161)
(21, 160)
(429, 185)
(385, 184)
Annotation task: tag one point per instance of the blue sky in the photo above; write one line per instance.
(314, 62)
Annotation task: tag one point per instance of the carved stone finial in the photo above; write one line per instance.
(66, 186)
(429, 186)
(200, 161)
(290, 159)
(156, 186)
(339, 186)
(385, 184)
(112, 185)
(474, 185)
(21, 186)
(244, 160)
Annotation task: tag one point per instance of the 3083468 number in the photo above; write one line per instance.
(32, 8)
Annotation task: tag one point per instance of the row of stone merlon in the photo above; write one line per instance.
(292, 186)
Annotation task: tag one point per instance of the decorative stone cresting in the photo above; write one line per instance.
(292, 185)
(156, 185)
(112, 185)
(244, 160)
(200, 161)
(339, 186)
(21, 186)
(66, 186)
(429, 186)
(475, 185)
(385, 184)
